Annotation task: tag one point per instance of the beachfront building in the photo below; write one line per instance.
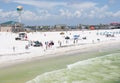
(61, 27)
(83, 27)
(11, 26)
(114, 25)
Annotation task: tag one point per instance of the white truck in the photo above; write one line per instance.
(21, 36)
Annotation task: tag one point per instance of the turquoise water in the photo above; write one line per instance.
(105, 69)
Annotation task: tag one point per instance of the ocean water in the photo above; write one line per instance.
(105, 69)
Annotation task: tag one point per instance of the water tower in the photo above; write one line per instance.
(19, 10)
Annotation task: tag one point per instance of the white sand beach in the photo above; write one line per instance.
(95, 40)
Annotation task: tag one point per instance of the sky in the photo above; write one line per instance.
(52, 12)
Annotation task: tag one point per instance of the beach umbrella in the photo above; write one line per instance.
(76, 36)
(62, 33)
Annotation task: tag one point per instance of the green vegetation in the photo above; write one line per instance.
(23, 72)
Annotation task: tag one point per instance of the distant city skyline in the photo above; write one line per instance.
(70, 12)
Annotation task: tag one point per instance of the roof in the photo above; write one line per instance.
(10, 23)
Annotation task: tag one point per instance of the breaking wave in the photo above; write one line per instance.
(105, 69)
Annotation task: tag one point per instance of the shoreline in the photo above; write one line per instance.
(95, 41)
(69, 50)
(32, 67)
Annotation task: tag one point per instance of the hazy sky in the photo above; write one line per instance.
(71, 12)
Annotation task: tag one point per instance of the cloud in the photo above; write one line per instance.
(41, 15)
(38, 3)
(43, 12)
(65, 13)
(78, 13)
(100, 12)
(82, 5)
(70, 14)
(6, 1)
(8, 14)
(60, 11)
(32, 16)
(112, 1)
(28, 15)
(117, 14)
(13, 15)
(68, 11)
(52, 4)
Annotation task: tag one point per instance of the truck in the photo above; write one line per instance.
(21, 36)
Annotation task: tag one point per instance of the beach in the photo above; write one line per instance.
(22, 71)
(10, 57)
(26, 64)
(59, 41)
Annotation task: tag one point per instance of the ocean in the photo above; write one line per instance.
(104, 69)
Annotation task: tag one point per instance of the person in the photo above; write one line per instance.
(46, 44)
(60, 43)
(30, 43)
(13, 48)
(44, 34)
(26, 47)
(74, 41)
(51, 43)
(93, 41)
(26, 37)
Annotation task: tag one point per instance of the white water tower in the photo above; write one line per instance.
(19, 10)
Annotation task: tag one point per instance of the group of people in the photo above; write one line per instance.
(49, 44)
